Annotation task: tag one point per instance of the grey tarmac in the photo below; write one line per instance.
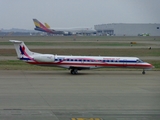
(58, 95)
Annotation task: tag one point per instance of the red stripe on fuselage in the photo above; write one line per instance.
(144, 66)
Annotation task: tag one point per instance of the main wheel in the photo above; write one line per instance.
(74, 71)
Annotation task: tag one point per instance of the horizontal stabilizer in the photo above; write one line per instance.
(15, 41)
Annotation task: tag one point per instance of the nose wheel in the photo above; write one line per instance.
(74, 71)
(143, 72)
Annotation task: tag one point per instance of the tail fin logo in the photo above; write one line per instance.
(40, 27)
(22, 49)
(37, 24)
(23, 52)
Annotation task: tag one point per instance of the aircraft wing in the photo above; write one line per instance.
(78, 67)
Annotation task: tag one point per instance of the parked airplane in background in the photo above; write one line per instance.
(40, 27)
(75, 63)
(66, 31)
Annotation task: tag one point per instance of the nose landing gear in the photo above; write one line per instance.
(143, 72)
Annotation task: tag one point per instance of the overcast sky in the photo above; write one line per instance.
(77, 13)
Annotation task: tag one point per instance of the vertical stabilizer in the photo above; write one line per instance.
(40, 27)
(47, 26)
(38, 24)
(21, 49)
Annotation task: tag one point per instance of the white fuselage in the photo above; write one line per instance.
(87, 62)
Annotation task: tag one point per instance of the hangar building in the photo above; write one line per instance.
(124, 29)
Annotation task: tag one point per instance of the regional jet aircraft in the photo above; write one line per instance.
(75, 63)
(64, 31)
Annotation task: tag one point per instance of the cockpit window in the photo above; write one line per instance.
(139, 61)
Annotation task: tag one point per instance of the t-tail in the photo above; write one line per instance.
(23, 53)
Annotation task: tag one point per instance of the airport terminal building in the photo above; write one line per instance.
(124, 29)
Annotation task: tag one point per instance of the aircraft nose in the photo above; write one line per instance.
(150, 66)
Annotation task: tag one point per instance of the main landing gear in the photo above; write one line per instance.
(143, 72)
(74, 71)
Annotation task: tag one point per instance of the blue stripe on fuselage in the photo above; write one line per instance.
(24, 58)
(39, 29)
(84, 60)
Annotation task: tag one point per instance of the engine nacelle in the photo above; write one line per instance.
(44, 58)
